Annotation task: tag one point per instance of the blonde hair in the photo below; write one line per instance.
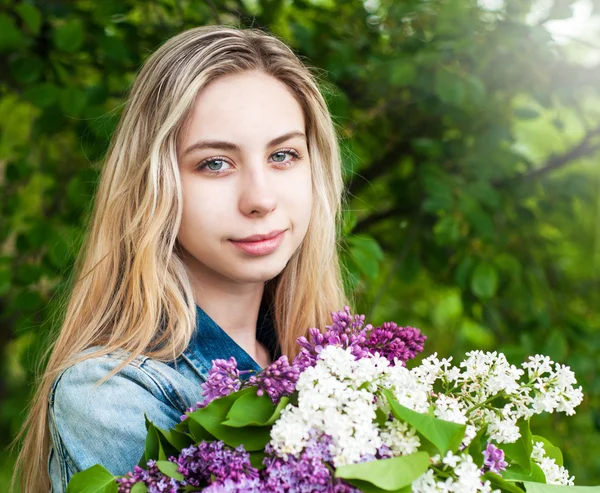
(132, 290)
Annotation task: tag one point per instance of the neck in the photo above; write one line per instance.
(234, 308)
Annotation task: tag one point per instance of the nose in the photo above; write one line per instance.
(258, 190)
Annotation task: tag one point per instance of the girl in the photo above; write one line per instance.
(214, 234)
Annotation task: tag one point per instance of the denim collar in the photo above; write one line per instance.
(210, 342)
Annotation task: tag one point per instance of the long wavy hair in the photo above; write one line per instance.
(129, 287)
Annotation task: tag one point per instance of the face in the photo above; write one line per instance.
(245, 170)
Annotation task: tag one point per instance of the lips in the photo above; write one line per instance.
(267, 236)
(260, 247)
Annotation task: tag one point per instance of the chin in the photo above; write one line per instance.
(261, 273)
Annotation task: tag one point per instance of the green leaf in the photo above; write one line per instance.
(366, 254)
(403, 72)
(498, 482)
(139, 488)
(366, 487)
(463, 271)
(449, 87)
(161, 444)
(212, 416)
(368, 244)
(153, 448)
(476, 89)
(169, 468)
(252, 409)
(31, 16)
(387, 474)
(69, 36)
(481, 221)
(95, 479)
(72, 101)
(256, 459)
(381, 417)
(447, 230)
(349, 220)
(198, 432)
(526, 113)
(552, 451)
(114, 48)
(444, 435)
(476, 447)
(11, 36)
(26, 70)
(42, 95)
(552, 488)
(277, 412)
(484, 281)
(175, 438)
(520, 451)
(518, 474)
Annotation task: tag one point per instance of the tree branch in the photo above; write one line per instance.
(363, 224)
(378, 168)
(583, 149)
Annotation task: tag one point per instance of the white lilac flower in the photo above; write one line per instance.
(537, 365)
(503, 429)
(553, 388)
(401, 438)
(470, 434)
(450, 409)
(487, 374)
(330, 401)
(465, 477)
(469, 476)
(568, 396)
(427, 483)
(554, 473)
(432, 369)
(407, 388)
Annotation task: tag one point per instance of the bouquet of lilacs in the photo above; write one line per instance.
(347, 415)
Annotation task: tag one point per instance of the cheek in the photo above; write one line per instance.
(301, 199)
(203, 214)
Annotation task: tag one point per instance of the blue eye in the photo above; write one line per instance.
(209, 163)
(214, 161)
(214, 165)
(280, 153)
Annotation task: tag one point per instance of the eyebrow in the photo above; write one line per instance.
(229, 146)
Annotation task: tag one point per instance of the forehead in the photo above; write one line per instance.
(250, 107)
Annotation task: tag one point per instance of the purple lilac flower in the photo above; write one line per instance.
(347, 331)
(243, 486)
(307, 473)
(155, 480)
(391, 342)
(383, 452)
(214, 462)
(223, 379)
(493, 459)
(277, 379)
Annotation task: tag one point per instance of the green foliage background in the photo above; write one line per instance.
(471, 148)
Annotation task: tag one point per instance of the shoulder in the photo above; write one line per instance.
(82, 378)
(104, 423)
(143, 377)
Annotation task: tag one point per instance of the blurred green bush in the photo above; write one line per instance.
(471, 142)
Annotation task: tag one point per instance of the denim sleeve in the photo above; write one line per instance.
(105, 424)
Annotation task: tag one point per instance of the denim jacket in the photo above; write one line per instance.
(105, 425)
